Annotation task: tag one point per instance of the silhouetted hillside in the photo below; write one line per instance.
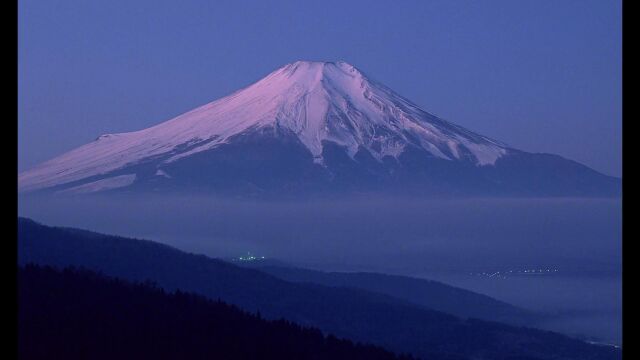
(350, 313)
(77, 314)
(432, 294)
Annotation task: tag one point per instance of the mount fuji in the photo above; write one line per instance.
(312, 128)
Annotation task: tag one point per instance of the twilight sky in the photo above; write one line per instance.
(540, 75)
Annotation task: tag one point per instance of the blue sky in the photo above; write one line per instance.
(542, 76)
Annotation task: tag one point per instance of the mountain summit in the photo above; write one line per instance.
(311, 126)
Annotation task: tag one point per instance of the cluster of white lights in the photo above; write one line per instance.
(250, 257)
(503, 274)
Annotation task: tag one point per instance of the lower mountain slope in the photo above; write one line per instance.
(274, 163)
(350, 313)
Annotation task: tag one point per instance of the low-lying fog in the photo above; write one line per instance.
(579, 241)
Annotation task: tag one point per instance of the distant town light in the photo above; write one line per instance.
(249, 257)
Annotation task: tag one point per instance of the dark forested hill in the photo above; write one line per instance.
(350, 313)
(77, 314)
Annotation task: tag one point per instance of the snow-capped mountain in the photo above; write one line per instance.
(309, 126)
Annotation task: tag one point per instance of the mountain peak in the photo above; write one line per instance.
(318, 102)
(311, 75)
(306, 64)
(309, 126)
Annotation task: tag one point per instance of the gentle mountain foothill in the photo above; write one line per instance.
(358, 315)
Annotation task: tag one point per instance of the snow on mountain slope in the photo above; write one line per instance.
(317, 101)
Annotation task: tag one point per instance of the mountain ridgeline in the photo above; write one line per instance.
(365, 316)
(312, 128)
(428, 293)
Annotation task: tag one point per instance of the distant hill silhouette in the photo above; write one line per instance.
(350, 313)
(77, 314)
(431, 294)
